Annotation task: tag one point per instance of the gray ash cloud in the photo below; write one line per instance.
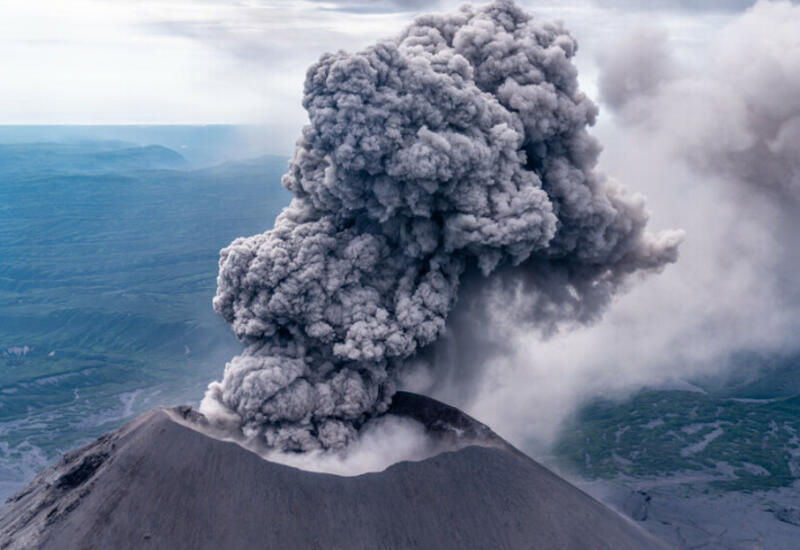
(734, 111)
(457, 149)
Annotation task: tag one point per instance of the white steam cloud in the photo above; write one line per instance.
(708, 134)
(447, 168)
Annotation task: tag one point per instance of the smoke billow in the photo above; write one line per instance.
(455, 153)
(702, 127)
(732, 116)
(737, 114)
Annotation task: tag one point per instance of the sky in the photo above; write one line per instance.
(239, 62)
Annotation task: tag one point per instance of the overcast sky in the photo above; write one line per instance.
(225, 61)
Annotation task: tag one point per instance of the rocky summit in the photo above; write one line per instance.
(162, 482)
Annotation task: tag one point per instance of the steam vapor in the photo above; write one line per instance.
(458, 149)
(738, 115)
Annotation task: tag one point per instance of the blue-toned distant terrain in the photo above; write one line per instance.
(109, 257)
(200, 146)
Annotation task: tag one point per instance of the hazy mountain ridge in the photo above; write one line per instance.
(85, 158)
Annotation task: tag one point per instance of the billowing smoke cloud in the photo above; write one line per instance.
(698, 124)
(638, 64)
(455, 153)
(737, 114)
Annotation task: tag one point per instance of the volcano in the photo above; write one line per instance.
(162, 482)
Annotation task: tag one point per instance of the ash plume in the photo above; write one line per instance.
(455, 152)
(736, 114)
(701, 127)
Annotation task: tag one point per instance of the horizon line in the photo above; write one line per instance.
(143, 124)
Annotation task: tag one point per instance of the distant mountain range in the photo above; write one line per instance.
(85, 158)
(200, 145)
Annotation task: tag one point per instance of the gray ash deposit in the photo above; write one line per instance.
(162, 482)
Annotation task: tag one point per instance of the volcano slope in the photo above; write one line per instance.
(160, 482)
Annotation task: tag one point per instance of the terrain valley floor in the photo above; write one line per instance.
(715, 464)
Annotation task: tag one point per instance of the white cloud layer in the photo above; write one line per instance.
(216, 61)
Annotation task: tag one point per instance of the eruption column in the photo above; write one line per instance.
(459, 147)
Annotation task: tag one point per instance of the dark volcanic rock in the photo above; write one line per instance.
(159, 482)
(82, 471)
(451, 427)
(636, 505)
(788, 515)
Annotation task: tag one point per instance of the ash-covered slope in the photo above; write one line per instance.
(159, 482)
